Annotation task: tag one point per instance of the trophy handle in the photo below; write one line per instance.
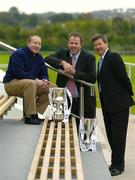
(67, 110)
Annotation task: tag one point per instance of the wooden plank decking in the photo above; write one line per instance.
(5, 103)
(57, 155)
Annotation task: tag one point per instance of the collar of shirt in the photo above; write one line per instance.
(76, 55)
(102, 57)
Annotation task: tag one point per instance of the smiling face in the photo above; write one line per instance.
(74, 44)
(100, 46)
(34, 44)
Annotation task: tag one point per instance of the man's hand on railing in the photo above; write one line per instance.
(66, 66)
(72, 71)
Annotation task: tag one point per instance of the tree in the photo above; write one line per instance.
(14, 11)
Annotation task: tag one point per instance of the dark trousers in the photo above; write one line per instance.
(116, 125)
(75, 110)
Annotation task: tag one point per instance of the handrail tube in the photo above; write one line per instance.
(70, 76)
(82, 102)
(11, 48)
(7, 47)
(130, 64)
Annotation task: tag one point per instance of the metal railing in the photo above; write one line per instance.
(129, 65)
(11, 48)
(91, 86)
(130, 70)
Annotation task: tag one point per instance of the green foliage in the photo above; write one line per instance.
(61, 17)
(54, 28)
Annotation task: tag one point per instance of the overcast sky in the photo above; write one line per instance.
(40, 6)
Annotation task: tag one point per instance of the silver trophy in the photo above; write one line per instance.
(58, 100)
(87, 134)
(88, 129)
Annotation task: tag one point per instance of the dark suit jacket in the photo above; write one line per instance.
(85, 70)
(116, 88)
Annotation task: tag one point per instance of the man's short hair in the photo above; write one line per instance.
(76, 35)
(100, 36)
(31, 36)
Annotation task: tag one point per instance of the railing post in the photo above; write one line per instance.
(81, 102)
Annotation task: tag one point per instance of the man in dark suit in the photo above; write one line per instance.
(116, 93)
(84, 68)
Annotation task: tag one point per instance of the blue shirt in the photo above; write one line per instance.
(23, 64)
(100, 64)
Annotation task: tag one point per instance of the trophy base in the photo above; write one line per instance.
(58, 117)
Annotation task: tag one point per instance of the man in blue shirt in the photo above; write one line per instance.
(27, 77)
